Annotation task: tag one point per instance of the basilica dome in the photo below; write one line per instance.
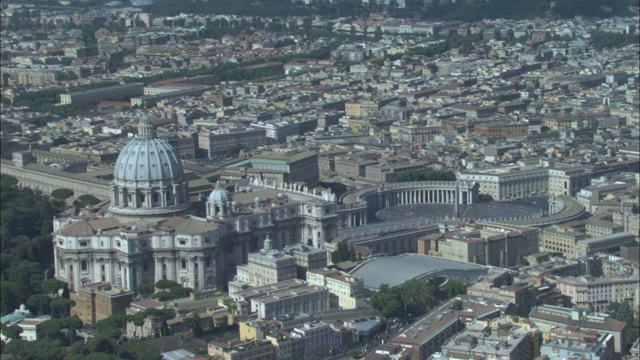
(219, 195)
(148, 180)
(147, 159)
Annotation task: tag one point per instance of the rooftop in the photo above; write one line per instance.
(375, 272)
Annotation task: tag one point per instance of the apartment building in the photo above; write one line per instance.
(346, 291)
(316, 338)
(585, 320)
(502, 184)
(307, 299)
(477, 341)
(566, 343)
(387, 172)
(514, 183)
(427, 335)
(109, 93)
(607, 244)
(414, 134)
(598, 292)
(269, 266)
(560, 239)
(242, 350)
(95, 302)
(487, 244)
(597, 227)
(502, 130)
(279, 167)
(568, 181)
(216, 143)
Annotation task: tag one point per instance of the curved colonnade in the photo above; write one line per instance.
(359, 205)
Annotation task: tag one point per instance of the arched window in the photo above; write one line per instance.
(183, 263)
(84, 265)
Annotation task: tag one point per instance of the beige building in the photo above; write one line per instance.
(568, 181)
(547, 316)
(243, 350)
(428, 334)
(598, 292)
(96, 302)
(505, 184)
(268, 266)
(560, 239)
(216, 143)
(597, 227)
(414, 134)
(346, 291)
(607, 244)
(479, 342)
(514, 183)
(109, 93)
(487, 244)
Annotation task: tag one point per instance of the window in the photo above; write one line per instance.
(182, 241)
(84, 265)
(183, 263)
(83, 242)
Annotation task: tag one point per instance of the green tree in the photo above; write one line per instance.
(164, 284)
(8, 299)
(72, 337)
(145, 290)
(12, 332)
(625, 313)
(62, 194)
(61, 307)
(39, 304)
(51, 286)
(455, 288)
(433, 68)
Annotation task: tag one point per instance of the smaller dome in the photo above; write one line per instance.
(219, 195)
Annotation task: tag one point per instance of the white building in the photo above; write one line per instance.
(346, 291)
(308, 299)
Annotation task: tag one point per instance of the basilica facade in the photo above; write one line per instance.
(151, 230)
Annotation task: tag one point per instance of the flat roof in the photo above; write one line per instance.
(375, 272)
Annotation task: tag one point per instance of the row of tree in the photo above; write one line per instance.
(415, 175)
(26, 247)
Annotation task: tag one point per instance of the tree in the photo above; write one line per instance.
(39, 304)
(62, 194)
(433, 68)
(12, 332)
(613, 307)
(72, 337)
(625, 313)
(8, 300)
(145, 290)
(164, 284)
(455, 288)
(51, 328)
(51, 286)
(61, 307)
